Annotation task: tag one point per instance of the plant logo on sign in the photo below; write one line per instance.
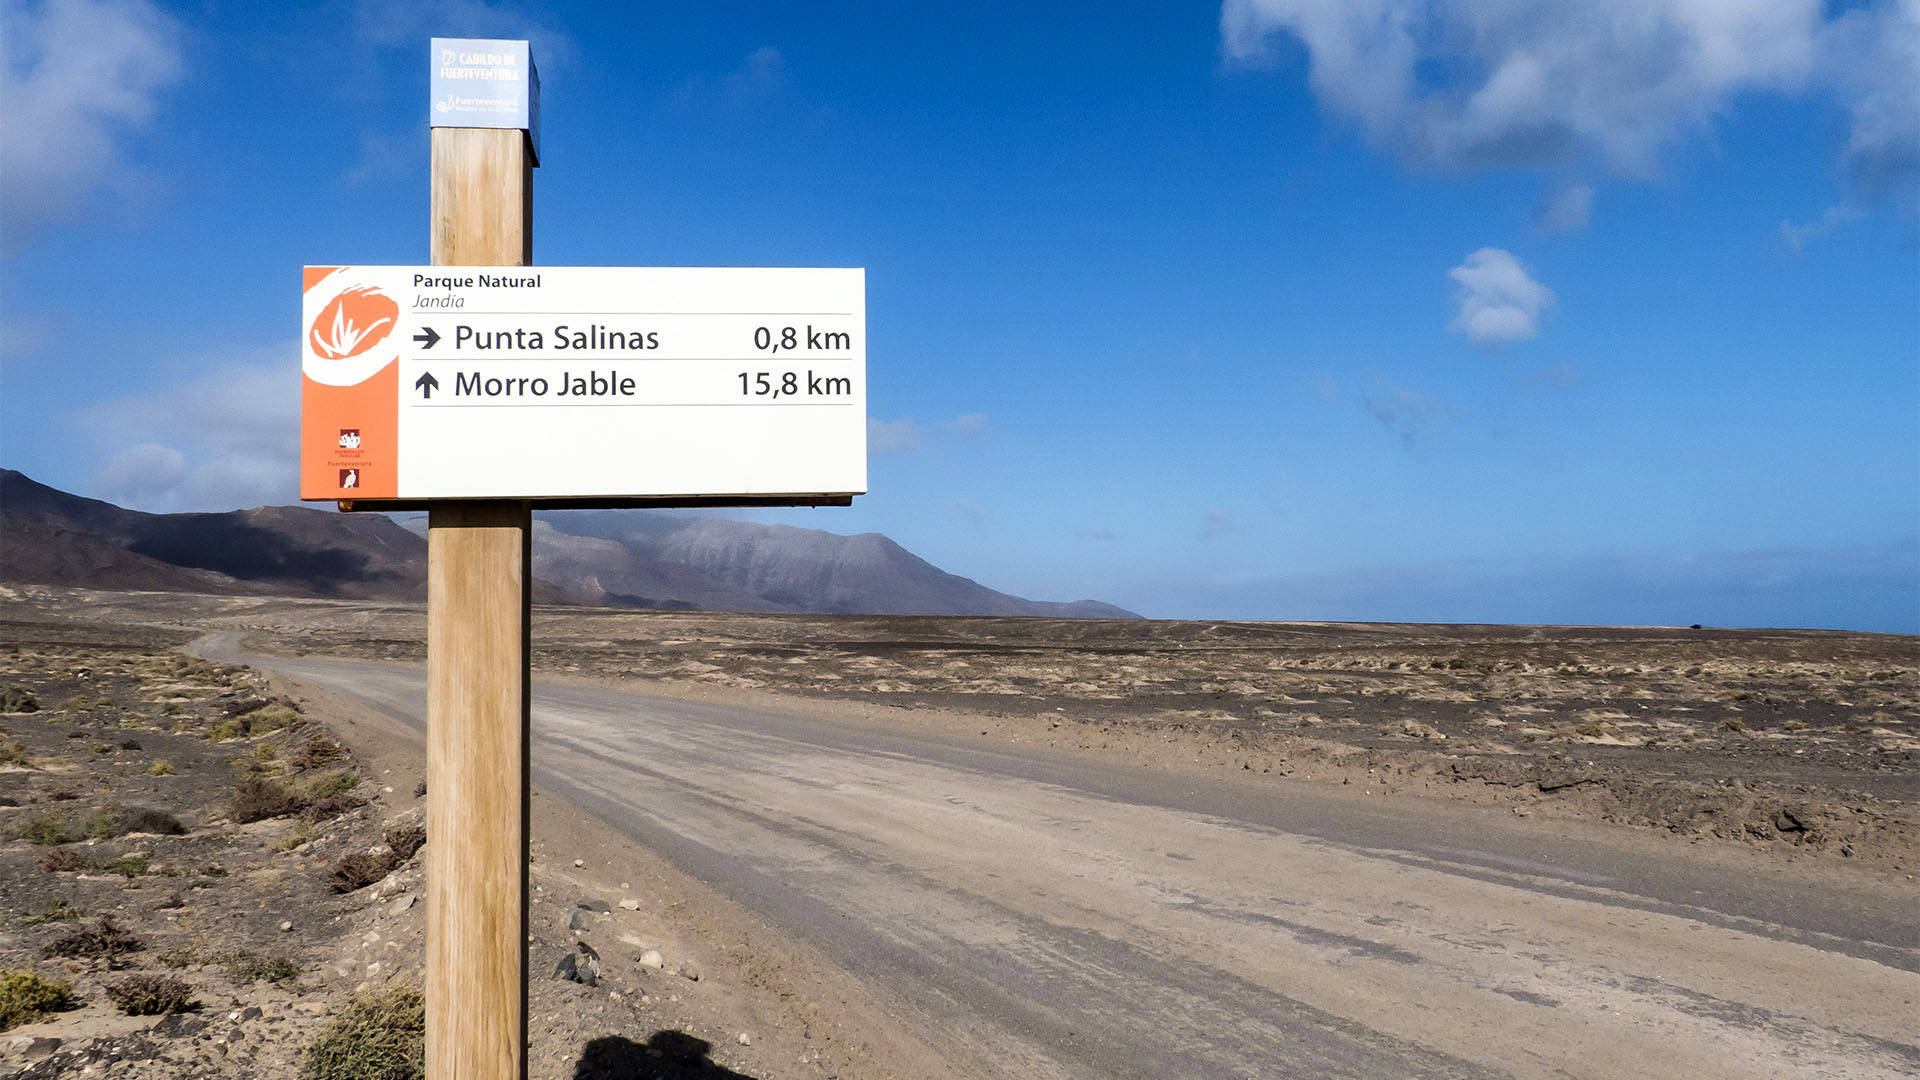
(353, 322)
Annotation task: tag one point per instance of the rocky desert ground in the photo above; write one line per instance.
(1802, 744)
(207, 874)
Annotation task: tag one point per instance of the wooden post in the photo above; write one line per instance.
(479, 600)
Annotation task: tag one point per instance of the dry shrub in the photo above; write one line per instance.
(328, 808)
(362, 869)
(405, 840)
(257, 799)
(151, 995)
(65, 858)
(242, 705)
(359, 870)
(319, 750)
(146, 819)
(104, 940)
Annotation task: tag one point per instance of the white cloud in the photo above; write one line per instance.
(1472, 84)
(1499, 301)
(1565, 209)
(900, 436)
(1873, 56)
(76, 76)
(965, 426)
(230, 439)
(892, 436)
(1797, 235)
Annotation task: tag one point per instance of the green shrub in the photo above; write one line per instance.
(160, 767)
(48, 829)
(13, 752)
(151, 995)
(26, 997)
(380, 1035)
(17, 698)
(103, 823)
(129, 866)
(57, 911)
(337, 782)
(269, 718)
(227, 729)
(250, 967)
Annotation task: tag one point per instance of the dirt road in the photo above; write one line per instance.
(1038, 915)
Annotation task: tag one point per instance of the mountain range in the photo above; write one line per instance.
(616, 558)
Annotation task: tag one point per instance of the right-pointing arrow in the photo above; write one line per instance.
(426, 384)
(427, 337)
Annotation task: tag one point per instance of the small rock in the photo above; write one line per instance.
(172, 903)
(630, 904)
(41, 1046)
(402, 904)
(582, 967)
(420, 790)
(599, 906)
(690, 971)
(578, 863)
(743, 1039)
(577, 920)
(652, 958)
(286, 926)
(251, 1012)
(633, 939)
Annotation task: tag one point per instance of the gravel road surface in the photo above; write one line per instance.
(1040, 915)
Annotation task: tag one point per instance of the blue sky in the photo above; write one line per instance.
(1437, 311)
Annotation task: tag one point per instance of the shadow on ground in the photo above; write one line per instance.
(668, 1055)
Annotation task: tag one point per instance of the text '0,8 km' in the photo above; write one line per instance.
(618, 382)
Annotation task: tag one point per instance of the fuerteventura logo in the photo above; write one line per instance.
(352, 322)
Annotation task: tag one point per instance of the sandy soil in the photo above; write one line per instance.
(1803, 742)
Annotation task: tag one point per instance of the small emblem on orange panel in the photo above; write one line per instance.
(353, 322)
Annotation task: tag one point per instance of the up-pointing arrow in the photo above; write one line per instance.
(427, 337)
(426, 384)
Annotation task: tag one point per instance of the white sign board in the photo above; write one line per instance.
(487, 83)
(581, 383)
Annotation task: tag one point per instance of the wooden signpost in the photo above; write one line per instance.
(479, 629)
(738, 387)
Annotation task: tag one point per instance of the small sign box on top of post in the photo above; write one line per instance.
(485, 83)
